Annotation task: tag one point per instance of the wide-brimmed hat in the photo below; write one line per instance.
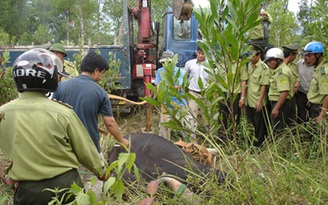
(58, 48)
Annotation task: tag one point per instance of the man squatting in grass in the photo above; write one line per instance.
(43, 138)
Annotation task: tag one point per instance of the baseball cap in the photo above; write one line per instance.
(64, 73)
(166, 55)
(292, 47)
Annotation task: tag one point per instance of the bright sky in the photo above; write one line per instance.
(203, 3)
(292, 4)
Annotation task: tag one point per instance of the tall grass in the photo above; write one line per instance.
(291, 169)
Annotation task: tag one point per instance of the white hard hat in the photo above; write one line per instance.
(274, 53)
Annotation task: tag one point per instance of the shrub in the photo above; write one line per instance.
(7, 86)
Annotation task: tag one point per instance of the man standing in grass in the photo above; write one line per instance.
(305, 69)
(89, 101)
(196, 70)
(258, 81)
(60, 51)
(45, 140)
(281, 89)
(175, 102)
(318, 92)
(290, 53)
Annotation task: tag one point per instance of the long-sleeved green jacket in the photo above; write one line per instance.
(44, 139)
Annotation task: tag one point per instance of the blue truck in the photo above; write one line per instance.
(139, 59)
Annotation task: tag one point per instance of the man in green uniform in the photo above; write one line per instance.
(318, 92)
(258, 81)
(44, 139)
(69, 67)
(290, 53)
(239, 89)
(260, 34)
(281, 89)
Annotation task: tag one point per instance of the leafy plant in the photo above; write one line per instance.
(225, 29)
(319, 22)
(110, 77)
(112, 188)
(4, 37)
(7, 86)
(115, 184)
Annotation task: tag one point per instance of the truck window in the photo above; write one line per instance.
(181, 30)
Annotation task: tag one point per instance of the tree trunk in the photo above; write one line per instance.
(81, 21)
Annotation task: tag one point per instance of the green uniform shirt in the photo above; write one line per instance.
(71, 69)
(242, 77)
(319, 84)
(281, 80)
(257, 32)
(293, 68)
(44, 139)
(257, 77)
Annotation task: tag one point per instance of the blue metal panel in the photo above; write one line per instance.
(186, 49)
(118, 53)
(13, 55)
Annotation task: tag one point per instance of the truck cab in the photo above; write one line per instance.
(180, 36)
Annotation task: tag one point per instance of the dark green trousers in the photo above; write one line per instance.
(260, 121)
(285, 117)
(33, 193)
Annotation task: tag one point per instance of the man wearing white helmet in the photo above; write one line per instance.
(281, 88)
(318, 91)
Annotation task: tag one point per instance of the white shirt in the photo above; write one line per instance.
(305, 73)
(196, 70)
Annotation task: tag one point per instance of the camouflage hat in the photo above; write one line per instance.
(166, 55)
(59, 48)
(292, 47)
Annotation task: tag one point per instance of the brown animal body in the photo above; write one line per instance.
(156, 156)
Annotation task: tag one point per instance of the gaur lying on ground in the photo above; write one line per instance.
(156, 155)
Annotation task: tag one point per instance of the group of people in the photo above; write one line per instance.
(52, 139)
(294, 88)
(195, 69)
(275, 91)
(48, 141)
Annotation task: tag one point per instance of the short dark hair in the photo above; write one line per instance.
(199, 49)
(92, 61)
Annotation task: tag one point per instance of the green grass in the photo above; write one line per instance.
(292, 169)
